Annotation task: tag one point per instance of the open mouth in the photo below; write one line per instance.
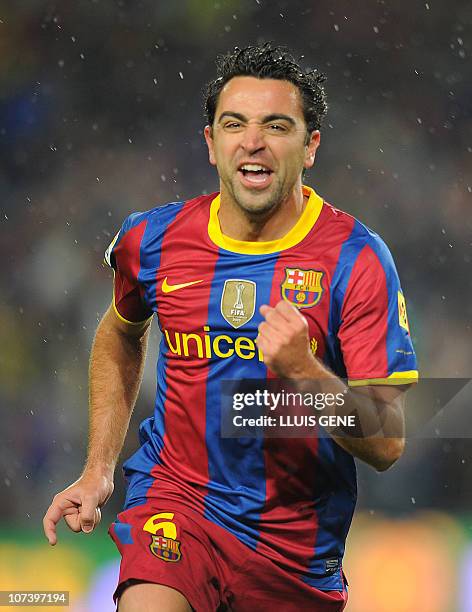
(255, 174)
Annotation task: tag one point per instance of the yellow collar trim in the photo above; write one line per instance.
(298, 232)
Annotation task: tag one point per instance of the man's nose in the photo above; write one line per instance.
(253, 139)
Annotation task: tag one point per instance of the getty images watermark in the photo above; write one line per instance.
(275, 402)
(275, 408)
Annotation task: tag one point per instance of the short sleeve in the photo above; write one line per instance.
(374, 334)
(124, 256)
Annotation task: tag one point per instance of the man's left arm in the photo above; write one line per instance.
(378, 437)
(381, 409)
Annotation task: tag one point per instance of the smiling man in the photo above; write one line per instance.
(263, 279)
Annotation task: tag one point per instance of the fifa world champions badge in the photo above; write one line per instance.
(163, 545)
(302, 288)
(238, 301)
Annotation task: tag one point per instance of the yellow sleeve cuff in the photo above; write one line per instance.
(397, 378)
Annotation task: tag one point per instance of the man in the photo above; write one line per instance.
(264, 279)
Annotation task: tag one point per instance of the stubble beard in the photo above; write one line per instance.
(257, 206)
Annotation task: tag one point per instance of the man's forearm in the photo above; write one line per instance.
(378, 434)
(116, 369)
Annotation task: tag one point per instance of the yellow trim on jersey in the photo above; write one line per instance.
(126, 320)
(298, 232)
(397, 378)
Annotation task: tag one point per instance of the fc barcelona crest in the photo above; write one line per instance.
(302, 288)
(238, 301)
(166, 549)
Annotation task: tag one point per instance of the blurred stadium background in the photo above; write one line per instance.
(100, 115)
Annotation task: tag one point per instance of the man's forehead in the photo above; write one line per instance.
(257, 97)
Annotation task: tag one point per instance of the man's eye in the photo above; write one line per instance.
(232, 125)
(276, 127)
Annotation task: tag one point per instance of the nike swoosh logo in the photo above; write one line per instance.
(166, 288)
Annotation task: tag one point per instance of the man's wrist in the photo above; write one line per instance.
(99, 468)
(311, 368)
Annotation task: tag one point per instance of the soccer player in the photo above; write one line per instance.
(263, 279)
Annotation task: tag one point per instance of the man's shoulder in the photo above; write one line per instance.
(166, 212)
(143, 232)
(197, 202)
(358, 233)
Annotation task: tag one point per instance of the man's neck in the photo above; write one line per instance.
(240, 225)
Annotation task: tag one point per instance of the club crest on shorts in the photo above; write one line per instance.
(302, 288)
(164, 546)
(238, 301)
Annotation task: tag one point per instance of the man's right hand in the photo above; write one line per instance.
(79, 504)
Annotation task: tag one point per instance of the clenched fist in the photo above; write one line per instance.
(284, 341)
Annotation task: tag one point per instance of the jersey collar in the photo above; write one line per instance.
(298, 232)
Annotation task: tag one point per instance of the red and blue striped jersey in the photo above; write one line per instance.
(292, 500)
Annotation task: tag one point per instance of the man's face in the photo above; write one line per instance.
(258, 142)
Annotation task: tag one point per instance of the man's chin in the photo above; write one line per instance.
(257, 208)
(256, 202)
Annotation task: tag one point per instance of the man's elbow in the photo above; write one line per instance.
(389, 454)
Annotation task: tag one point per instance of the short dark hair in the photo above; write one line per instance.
(270, 62)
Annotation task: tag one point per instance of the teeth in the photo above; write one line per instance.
(253, 168)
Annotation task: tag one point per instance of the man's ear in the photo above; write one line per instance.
(311, 146)
(208, 133)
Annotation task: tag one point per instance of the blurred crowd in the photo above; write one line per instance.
(100, 115)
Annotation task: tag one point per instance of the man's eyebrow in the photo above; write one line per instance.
(232, 114)
(278, 117)
(266, 119)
